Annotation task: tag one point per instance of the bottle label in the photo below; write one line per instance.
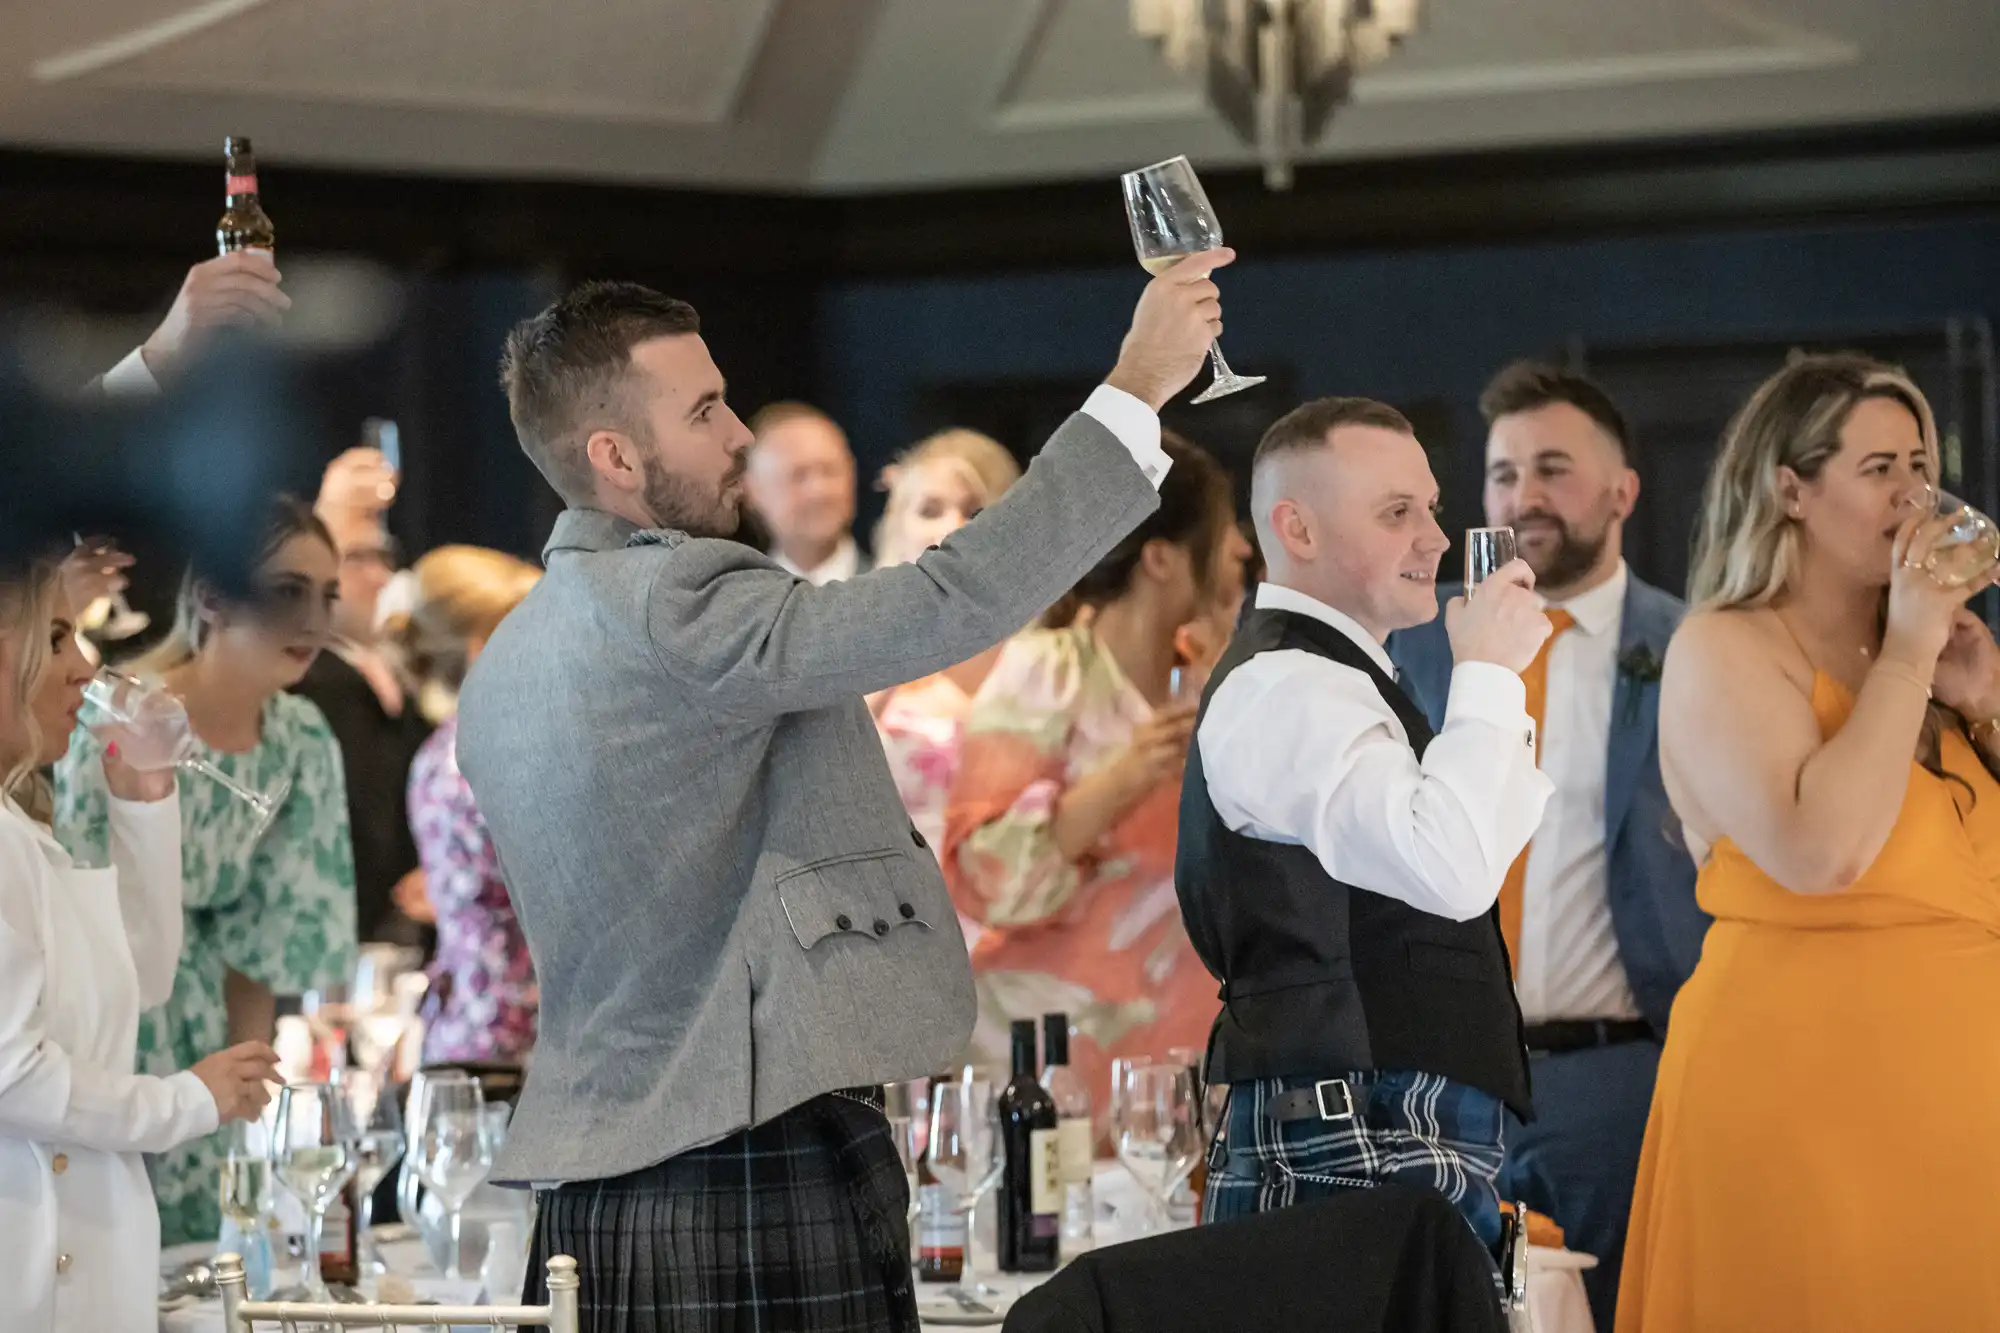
(941, 1228)
(1076, 1146)
(1044, 1175)
(240, 184)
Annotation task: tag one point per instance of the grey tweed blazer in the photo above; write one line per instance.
(728, 909)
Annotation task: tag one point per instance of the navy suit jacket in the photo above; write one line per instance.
(1653, 909)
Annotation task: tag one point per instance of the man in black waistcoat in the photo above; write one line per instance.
(1339, 862)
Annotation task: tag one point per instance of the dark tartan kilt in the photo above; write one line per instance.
(798, 1225)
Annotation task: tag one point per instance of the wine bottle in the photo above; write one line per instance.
(1031, 1180)
(1076, 1136)
(337, 1237)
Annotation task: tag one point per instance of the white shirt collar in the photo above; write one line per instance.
(1276, 597)
(1597, 610)
(844, 563)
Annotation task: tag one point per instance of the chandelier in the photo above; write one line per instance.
(1276, 69)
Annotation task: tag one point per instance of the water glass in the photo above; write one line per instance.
(965, 1150)
(1486, 550)
(1156, 1126)
(455, 1152)
(314, 1144)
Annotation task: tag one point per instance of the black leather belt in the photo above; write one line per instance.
(1582, 1034)
(1328, 1099)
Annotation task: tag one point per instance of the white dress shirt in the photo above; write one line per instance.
(843, 564)
(1300, 749)
(1569, 966)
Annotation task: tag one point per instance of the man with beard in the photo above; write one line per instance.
(1599, 910)
(738, 933)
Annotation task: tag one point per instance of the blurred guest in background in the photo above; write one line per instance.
(934, 489)
(368, 699)
(1059, 834)
(1599, 911)
(81, 953)
(801, 483)
(481, 1004)
(1829, 730)
(264, 918)
(239, 289)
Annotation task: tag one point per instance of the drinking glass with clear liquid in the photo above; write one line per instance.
(1969, 550)
(313, 1152)
(1171, 219)
(1487, 550)
(245, 1201)
(151, 729)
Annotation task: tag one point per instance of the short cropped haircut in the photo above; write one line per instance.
(1525, 386)
(1307, 425)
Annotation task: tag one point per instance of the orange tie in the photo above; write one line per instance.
(1536, 678)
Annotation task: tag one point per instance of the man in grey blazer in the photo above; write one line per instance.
(1607, 927)
(737, 932)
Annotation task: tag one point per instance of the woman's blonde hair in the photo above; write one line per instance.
(29, 600)
(288, 518)
(1747, 546)
(980, 461)
(463, 593)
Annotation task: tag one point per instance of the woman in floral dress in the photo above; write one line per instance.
(264, 918)
(1060, 834)
(483, 1000)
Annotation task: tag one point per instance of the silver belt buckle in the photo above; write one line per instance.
(1346, 1111)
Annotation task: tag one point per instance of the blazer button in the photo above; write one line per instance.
(59, 1163)
(843, 922)
(881, 926)
(916, 836)
(62, 1263)
(907, 910)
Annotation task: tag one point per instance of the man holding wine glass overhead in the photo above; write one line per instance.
(1339, 860)
(739, 934)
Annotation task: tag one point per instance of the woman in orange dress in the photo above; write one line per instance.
(1822, 1151)
(1061, 827)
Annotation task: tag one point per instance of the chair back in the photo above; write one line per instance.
(242, 1315)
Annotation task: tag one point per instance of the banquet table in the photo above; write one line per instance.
(1556, 1296)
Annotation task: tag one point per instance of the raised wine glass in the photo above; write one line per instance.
(1486, 550)
(153, 733)
(454, 1153)
(1171, 218)
(313, 1153)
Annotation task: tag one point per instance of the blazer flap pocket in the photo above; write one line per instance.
(1448, 960)
(856, 894)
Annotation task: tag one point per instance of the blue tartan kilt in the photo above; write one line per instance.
(1414, 1129)
(797, 1225)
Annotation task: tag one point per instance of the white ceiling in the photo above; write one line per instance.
(850, 95)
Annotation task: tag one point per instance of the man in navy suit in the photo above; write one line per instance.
(1599, 912)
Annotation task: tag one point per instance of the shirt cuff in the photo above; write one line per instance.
(131, 376)
(1136, 425)
(195, 1110)
(1487, 692)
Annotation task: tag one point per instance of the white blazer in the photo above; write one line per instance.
(82, 952)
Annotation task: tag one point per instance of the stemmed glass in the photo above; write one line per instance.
(1171, 218)
(380, 1146)
(965, 1150)
(1154, 1118)
(246, 1199)
(154, 734)
(1971, 548)
(454, 1152)
(1486, 550)
(313, 1152)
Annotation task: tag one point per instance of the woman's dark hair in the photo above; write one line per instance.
(1197, 507)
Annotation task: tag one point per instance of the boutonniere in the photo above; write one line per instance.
(1641, 668)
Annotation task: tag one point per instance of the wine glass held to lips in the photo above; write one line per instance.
(1171, 220)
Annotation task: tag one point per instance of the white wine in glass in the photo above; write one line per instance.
(1171, 219)
(1966, 553)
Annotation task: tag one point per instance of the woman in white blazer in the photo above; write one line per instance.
(81, 953)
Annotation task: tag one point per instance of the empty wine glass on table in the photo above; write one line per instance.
(151, 729)
(1171, 219)
(454, 1152)
(377, 1151)
(1969, 550)
(1154, 1120)
(313, 1153)
(965, 1151)
(1486, 550)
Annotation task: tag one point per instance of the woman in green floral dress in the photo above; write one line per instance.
(265, 918)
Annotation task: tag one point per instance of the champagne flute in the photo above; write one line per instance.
(1486, 550)
(1969, 550)
(1153, 1116)
(313, 1145)
(154, 734)
(965, 1150)
(455, 1153)
(381, 1145)
(1171, 218)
